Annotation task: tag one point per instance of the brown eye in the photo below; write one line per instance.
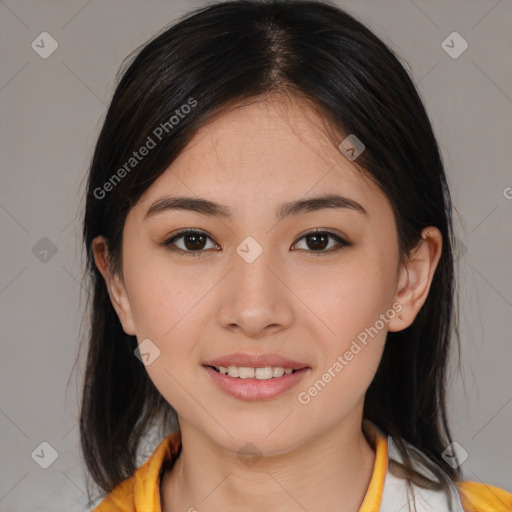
(193, 243)
(317, 241)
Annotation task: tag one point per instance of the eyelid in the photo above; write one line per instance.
(342, 240)
(168, 242)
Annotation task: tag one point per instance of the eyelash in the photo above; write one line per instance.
(169, 242)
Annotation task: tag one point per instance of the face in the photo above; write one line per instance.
(254, 289)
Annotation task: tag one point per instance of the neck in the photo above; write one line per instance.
(330, 473)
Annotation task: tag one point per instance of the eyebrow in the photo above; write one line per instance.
(207, 207)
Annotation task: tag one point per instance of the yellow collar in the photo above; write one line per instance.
(378, 441)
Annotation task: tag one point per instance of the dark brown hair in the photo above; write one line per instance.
(238, 51)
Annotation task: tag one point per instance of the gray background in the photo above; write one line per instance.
(51, 110)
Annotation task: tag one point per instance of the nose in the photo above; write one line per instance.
(256, 299)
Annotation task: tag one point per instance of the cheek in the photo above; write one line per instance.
(170, 307)
(355, 303)
(163, 296)
(167, 309)
(350, 299)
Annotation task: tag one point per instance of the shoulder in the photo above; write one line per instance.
(142, 490)
(120, 499)
(479, 497)
(465, 496)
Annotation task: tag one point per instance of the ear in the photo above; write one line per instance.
(415, 278)
(115, 285)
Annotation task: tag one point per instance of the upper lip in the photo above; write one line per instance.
(254, 361)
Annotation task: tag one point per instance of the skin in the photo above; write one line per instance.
(291, 302)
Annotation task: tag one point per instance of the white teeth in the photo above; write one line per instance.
(277, 371)
(262, 373)
(245, 373)
(232, 371)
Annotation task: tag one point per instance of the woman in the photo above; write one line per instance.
(268, 232)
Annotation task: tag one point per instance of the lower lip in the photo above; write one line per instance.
(255, 389)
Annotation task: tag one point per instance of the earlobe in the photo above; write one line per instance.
(415, 278)
(115, 286)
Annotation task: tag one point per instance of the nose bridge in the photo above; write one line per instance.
(257, 299)
(252, 269)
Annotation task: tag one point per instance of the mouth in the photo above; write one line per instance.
(255, 377)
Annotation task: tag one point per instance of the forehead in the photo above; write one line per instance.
(264, 153)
